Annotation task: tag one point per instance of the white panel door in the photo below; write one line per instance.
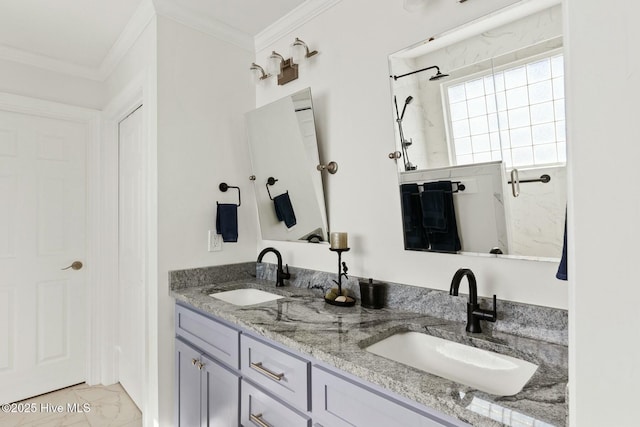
(131, 249)
(42, 230)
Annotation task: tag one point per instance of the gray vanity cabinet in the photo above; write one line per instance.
(228, 378)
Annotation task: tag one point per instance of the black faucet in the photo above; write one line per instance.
(474, 312)
(281, 274)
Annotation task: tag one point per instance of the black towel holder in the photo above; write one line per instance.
(224, 187)
(459, 187)
(271, 181)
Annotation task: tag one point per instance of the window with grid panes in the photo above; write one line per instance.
(515, 114)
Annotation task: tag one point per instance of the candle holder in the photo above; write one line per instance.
(350, 301)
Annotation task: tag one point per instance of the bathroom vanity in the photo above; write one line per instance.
(296, 361)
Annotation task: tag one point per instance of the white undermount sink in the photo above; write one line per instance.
(248, 296)
(484, 370)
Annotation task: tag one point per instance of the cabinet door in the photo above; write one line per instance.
(188, 385)
(339, 402)
(220, 395)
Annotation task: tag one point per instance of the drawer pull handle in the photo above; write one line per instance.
(264, 371)
(257, 420)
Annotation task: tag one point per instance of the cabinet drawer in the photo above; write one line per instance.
(258, 407)
(339, 402)
(216, 339)
(285, 375)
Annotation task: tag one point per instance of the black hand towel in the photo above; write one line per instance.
(562, 268)
(444, 240)
(415, 236)
(433, 210)
(227, 221)
(284, 209)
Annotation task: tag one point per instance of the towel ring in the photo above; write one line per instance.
(271, 181)
(224, 187)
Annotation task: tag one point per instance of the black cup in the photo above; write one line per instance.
(372, 294)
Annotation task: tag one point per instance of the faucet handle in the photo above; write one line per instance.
(287, 275)
(488, 315)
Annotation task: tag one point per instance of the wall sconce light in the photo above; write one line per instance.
(285, 68)
(257, 72)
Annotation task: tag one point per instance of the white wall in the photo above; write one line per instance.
(27, 80)
(351, 94)
(604, 210)
(203, 93)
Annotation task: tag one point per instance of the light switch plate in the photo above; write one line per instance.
(215, 241)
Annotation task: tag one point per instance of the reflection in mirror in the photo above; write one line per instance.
(483, 106)
(284, 157)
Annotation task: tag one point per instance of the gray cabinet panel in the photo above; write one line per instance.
(260, 361)
(215, 338)
(338, 402)
(188, 386)
(220, 395)
(267, 410)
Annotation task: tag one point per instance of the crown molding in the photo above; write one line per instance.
(292, 20)
(207, 25)
(136, 25)
(127, 38)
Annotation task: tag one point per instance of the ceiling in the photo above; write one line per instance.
(81, 33)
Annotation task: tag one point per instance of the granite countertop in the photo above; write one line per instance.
(337, 336)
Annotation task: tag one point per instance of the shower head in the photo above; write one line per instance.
(438, 76)
(406, 102)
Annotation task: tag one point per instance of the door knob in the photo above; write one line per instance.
(76, 265)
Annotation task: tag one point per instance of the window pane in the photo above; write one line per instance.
(460, 128)
(498, 82)
(560, 131)
(519, 117)
(456, 93)
(540, 92)
(558, 87)
(482, 157)
(501, 100)
(495, 155)
(479, 125)
(480, 143)
(474, 88)
(522, 156)
(488, 85)
(520, 137)
(477, 107)
(557, 66)
(538, 71)
(492, 107)
(542, 113)
(495, 140)
(515, 77)
(562, 152)
(543, 134)
(544, 154)
(493, 122)
(463, 146)
(464, 160)
(558, 106)
(517, 97)
(458, 111)
(503, 120)
(505, 139)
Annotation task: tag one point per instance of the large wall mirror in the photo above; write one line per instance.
(284, 157)
(479, 120)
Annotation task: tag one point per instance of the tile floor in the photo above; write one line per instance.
(81, 405)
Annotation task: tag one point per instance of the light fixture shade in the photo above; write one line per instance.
(274, 63)
(300, 51)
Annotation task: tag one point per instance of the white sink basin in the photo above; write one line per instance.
(246, 296)
(481, 369)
